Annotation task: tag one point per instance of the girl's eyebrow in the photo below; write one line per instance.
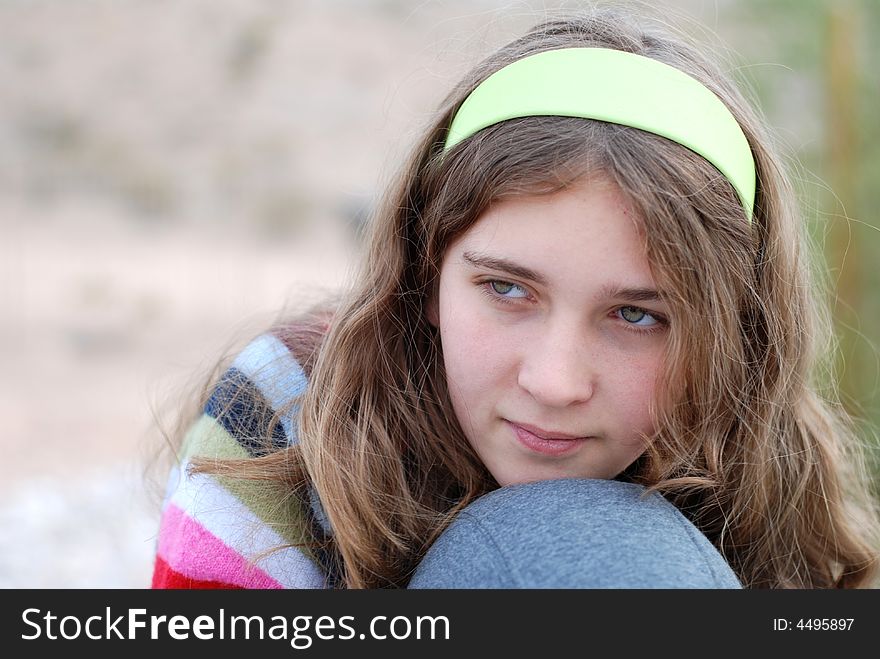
(608, 291)
(496, 263)
(632, 294)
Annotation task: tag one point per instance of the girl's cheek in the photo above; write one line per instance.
(480, 345)
(638, 392)
(478, 341)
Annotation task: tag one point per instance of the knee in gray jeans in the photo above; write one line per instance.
(572, 533)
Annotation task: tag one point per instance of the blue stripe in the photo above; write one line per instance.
(237, 404)
(268, 363)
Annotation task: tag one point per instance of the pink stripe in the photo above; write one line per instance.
(195, 552)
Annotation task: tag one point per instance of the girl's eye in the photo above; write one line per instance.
(507, 290)
(634, 316)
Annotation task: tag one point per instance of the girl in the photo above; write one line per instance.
(593, 268)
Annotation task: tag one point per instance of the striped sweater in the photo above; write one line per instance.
(219, 532)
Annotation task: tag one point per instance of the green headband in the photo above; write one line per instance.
(617, 87)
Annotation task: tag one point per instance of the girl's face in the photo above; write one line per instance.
(552, 334)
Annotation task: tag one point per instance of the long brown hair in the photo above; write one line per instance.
(746, 446)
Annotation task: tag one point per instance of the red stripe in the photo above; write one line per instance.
(166, 578)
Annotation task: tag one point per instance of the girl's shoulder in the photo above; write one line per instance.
(223, 527)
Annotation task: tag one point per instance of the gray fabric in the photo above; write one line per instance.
(572, 533)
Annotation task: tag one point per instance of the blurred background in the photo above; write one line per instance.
(173, 174)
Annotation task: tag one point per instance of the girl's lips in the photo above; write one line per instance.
(552, 445)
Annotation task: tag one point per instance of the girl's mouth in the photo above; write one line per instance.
(546, 444)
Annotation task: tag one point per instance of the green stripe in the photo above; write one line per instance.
(273, 503)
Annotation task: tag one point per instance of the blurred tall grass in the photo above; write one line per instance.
(822, 92)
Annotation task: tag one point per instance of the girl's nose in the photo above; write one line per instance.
(558, 370)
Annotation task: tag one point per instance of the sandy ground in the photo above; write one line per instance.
(112, 327)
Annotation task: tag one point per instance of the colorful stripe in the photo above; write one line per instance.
(222, 532)
(238, 405)
(214, 561)
(268, 363)
(235, 524)
(164, 577)
(268, 500)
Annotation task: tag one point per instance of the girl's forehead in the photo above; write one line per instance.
(588, 211)
(591, 191)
